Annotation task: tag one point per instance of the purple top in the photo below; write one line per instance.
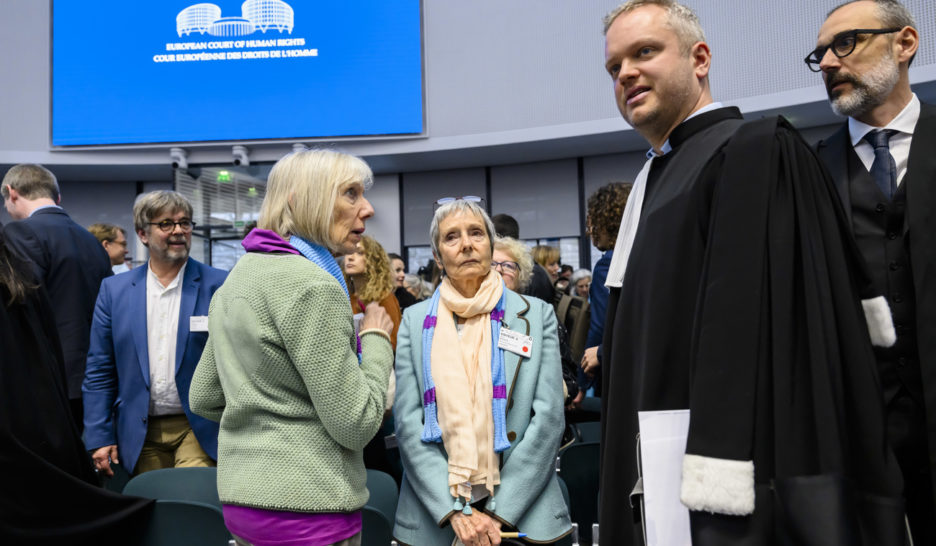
(274, 528)
(264, 240)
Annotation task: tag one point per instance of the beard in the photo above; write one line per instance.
(868, 91)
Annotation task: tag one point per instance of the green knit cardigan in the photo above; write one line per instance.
(280, 372)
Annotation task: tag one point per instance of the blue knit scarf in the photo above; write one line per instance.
(321, 257)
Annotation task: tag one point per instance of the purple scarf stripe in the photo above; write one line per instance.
(500, 391)
(430, 322)
(429, 396)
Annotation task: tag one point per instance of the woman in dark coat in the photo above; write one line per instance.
(50, 493)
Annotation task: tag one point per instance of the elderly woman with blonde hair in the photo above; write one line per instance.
(513, 261)
(297, 393)
(478, 409)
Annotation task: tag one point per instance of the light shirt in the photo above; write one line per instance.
(631, 217)
(904, 124)
(120, 268)
(162, 328)
(37, 209)
(666, 148)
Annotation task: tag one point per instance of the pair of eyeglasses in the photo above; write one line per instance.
(167, 226)
(446, 200)
(512, 267)
(121, 243)
(842, 45)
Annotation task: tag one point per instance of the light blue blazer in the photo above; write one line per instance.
(528, 498)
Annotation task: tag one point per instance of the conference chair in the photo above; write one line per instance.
(383, 493)
(183, 523)
(574, 313)
(118, 481)
(376, 529)
(198, 484)
(578, 466)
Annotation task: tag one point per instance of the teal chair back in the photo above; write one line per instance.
(578, 466)
(183, 523)
(119, 480)
(572, 538)
(186, 484)
(383, 493)
(589, 431)
(376, 529)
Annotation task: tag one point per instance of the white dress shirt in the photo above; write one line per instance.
(162, 327)
(899, 145)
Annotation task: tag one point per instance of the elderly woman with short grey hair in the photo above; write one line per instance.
(479, 400)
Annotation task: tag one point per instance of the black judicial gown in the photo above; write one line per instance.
(741, 302)
(49, 493)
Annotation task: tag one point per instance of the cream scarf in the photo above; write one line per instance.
(461, 371)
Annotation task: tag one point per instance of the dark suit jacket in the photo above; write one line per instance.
(921, 223)
(117, 380)
(540, 285)
(71, 263)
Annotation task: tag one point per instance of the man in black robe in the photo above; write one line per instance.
(867, 77)
(735, 294)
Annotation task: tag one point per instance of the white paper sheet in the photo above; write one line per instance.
(662, 446)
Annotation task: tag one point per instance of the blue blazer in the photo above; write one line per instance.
(117, 379)
(528, 498)
(71, 263)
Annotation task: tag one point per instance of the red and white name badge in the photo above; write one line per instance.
(515, 342)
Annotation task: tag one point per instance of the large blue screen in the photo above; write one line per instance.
(181, 71)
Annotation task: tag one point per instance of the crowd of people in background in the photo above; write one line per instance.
(786, 315)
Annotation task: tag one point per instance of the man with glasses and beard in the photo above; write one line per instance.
(150, 327)
(884, 168)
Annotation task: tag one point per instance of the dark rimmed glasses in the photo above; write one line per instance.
(511, 267)
(842, 45)
(167, 226)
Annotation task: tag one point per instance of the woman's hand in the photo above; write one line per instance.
(478, 529)
(376, 316)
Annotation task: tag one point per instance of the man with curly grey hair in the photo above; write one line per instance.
(150, 327)
(734, 294)
(884, 169)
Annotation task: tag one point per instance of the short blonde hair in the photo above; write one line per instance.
(520, 254)
(682, 20)
(545, 255)
(301, 193)
(106, 232)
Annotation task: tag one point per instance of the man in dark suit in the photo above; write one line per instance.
(884, 167)
(67, 259)
(150, 327)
